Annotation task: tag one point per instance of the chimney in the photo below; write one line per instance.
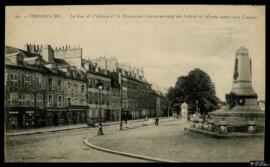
(26, 47)
(34, 47)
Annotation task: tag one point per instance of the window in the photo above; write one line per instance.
(83, 102)
(69, 101)
(72, 88)
(32, 82)
(32, 101)
(27, 78)
(82, 88)
(25, 81)
(13, 99)
(39, 82)
(96, 98)
(59, 101)
(90, 82)
(22, 99)
(59, 84)
(39, 100)
(107, 100)
(43, 84)
(50, 100)
(50, 84)
(75, 101)
(90, 98)
(76, 88)
(14, 79)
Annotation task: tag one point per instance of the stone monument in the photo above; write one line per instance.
(184, 110)
(243, 109)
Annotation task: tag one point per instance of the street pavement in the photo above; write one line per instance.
(170, 141)
(166, 141)
(62, 146)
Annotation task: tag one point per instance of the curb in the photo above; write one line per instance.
(86, 142)
(38, 132)
(56, 130)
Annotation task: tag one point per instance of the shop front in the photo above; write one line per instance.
(22, 117)
(78, 114)
(56, 116)
(107, 115)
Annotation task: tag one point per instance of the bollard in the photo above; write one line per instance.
(251, 127)
(223, 125)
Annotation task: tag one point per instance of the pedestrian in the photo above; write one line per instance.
(156, 123)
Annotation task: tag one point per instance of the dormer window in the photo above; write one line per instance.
(20, 59)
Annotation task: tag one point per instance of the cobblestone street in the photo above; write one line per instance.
(61, 146)
(170, 141)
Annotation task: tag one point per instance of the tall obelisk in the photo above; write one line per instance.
(242, 99)
(242, 93)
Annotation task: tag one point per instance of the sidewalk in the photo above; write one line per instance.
(62, 128)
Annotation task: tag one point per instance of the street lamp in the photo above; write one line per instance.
(121, 124)
(197, 106)
(120, 84)
(169, 102)
(100, 87)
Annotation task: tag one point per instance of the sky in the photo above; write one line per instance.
(167, 41)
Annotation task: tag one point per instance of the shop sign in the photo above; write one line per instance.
(13, 112)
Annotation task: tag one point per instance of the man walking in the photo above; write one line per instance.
(156, 123)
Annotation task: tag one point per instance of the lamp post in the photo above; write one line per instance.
(100, 87)
(197, 106)
(120, 83)
(169, 108)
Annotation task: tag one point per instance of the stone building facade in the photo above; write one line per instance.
(50, 87)
(35, 91)
(99, 99)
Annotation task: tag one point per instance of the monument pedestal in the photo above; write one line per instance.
(238, 120)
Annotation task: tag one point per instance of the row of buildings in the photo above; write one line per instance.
(46, 86)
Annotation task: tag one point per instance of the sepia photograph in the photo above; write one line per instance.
(134, 83)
